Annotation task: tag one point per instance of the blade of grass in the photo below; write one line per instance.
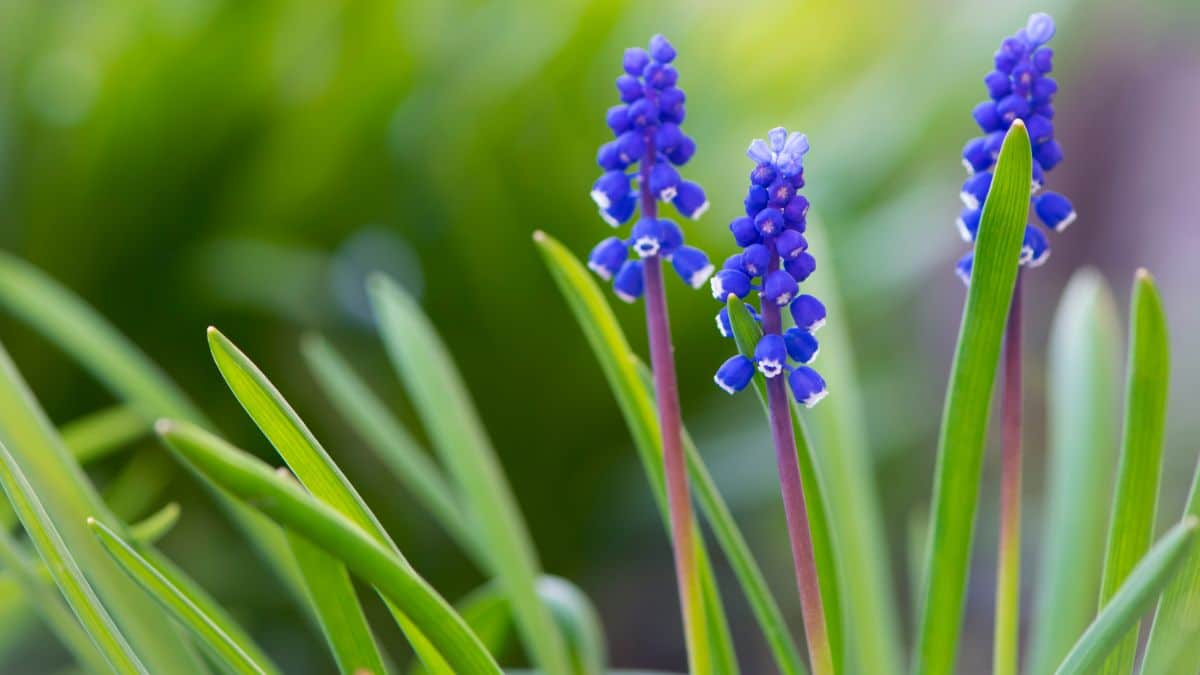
(444, 406)
(1135, 502)
(746, 334)
(156, 525)
(342, 621)
(384, 434)
(968, 401)
(635, 400)
(66, 494)
(318, 473)
(1174, 644)
(64, 570)
(1082, 386)
(1131, 600)
(843, 458)
(94, 437)
(64, 319)
(255, 483)
(34, 583)
(203, 627)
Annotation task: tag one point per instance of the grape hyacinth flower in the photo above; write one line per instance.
(774, 261)
(1020, 91)
(1019, 88)
(640, 171)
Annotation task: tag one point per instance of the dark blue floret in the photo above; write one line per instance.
(1018, 89)
(775, 253)
(735, 374)
(640, 169)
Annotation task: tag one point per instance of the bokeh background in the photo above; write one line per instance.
(181, 163)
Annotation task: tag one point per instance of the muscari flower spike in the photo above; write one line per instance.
(1019, 88)
(774, 262)
(640, 166)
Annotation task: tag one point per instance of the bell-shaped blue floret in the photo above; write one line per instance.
(760, 152)
(744, 231)
(643, 113)
(1035, 250)
(635, 61)
(1048, 154)
(730, 282)
(671, 105)
(968, 223)
(606, 258)
(1054, 210)
(976, 156)
(630, 88)
(808, 313)
(796, 211)
(1039, 29)
(734, 374)
(620, 211)
(962, 268)
(664, 181)
(756, 200)
(628, 284)
(779, 193)
(975, 189)
(769, 222)
(770, 354)
(779, 287)
(762, 175)
(692, 265)
(801, 345)
(631, 145)
(790, 244)
(987, 117)
(670, 238)
(807, 386)
(755, 259)
(646, 237)
(617, 118)
(724, 325)
(661, 49)
(609, 157)
(610, 188)
(998, 84)
(801, 267)
(690, 200)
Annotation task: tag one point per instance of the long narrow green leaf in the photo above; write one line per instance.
(968, 400)
(95, 436)
(843, 458)
(34, 583)
(317, 472)
(257, 484)
(63, 568)
(332, 593)
(62, 318)
(1121, 613)
(1135, 502)
(1174, 644)
(635, 401)
(384, 434)
(156, 525)
(441, 400)
(1082, 387)
(746, 333)
(67, 495)
(204, 627)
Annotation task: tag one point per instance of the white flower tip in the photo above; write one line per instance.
(727, 388)
(816, 325)
(625, 297)
(600, 271)
(969, 199)
(814, 356)
(815, 398)
(668, 194)
(1065, 222)
(770, 368)
(601, 199)
(967, 165)
(700, 276)
(963, 231)
(699, 211)
(609, 219)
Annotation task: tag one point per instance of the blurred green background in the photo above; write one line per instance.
(181, 163)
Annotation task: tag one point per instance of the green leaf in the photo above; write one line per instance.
(341, 617)
(1132, 598)
(320, 475)
(444, 406)
(634, 397)
(385, 435)
(64, 570)
(96, 436)
(746, 333)
(203, 627)
(156, 525)
(64, 319)
(968, 400)
(1082, 391)
(33, 584)
(67, 496)
(844, 460)
(1174, 644)
(257, 484)
(1135, 502)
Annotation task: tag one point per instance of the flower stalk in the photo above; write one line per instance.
(1006, 634)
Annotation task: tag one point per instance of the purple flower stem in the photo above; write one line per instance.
(812, 611)
(666, 391)
(1008, 573)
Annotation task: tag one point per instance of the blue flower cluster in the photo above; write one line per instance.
(774, 261)
(639, 166)
(1019, 88)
